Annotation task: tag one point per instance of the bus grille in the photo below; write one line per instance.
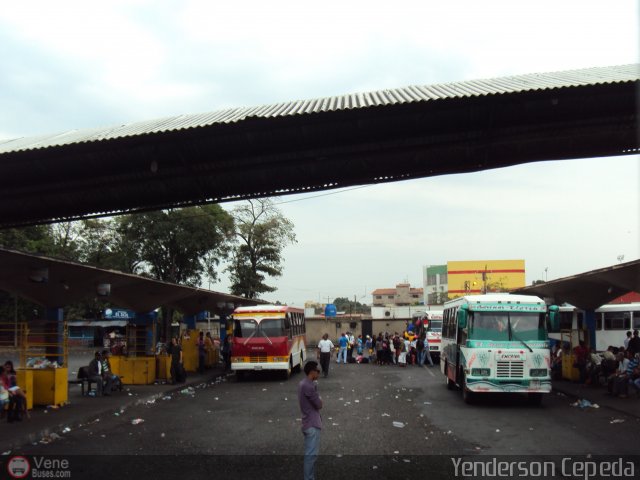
(510, 369)
(256, 358)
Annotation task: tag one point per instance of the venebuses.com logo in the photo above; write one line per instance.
(18, 467)
(38, 467)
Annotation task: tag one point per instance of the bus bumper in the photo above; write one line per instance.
(256, 367)
(490, 385)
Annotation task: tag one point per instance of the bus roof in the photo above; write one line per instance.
(497, 298)
(268, 308)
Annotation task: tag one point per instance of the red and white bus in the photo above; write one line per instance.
(268, 337)
(433, 324)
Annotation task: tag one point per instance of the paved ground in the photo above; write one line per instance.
(240, 429)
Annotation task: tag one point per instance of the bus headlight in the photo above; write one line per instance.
(538, 372)
(280, 359)
(480, 372)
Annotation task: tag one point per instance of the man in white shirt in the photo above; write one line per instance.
(325, 347)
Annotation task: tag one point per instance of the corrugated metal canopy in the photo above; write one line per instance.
(320, 144)
(593, 289)
(70, 282)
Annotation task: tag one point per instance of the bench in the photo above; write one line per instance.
(83, 378)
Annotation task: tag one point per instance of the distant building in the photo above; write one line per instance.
(484, 276)
(402, 295)
(435, 284)
(457, 278)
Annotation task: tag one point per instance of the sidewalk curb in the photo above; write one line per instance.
(577, 397)
(128, 402)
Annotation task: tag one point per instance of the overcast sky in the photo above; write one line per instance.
(78, 64)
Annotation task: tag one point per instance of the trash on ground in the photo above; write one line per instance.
(617, 420)
(162, 435)
(188, 391)
(583, 403)
(8, 452)
(497, 430)
(398, 424)
(137, 421)
(166, 397)
(406, 460)
(386, 415)
(66, 430)
(396, 452)
(426, 403)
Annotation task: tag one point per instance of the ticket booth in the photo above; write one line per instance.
(43, 372)
(137, 364)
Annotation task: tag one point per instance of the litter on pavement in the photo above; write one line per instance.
(137, 421)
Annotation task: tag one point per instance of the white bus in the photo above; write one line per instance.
(433, 322)
(613, 321)
(497, 343)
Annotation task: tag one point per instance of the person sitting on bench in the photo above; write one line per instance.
(103, 384)
(108, 372)
(17, 398)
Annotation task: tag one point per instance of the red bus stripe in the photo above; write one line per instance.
(456, 272)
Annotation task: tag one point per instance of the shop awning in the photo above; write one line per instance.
(98, 323)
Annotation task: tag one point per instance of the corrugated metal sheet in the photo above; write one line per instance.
(412, 94)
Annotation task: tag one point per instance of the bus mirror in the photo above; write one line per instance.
(554, 318)
(462, 316)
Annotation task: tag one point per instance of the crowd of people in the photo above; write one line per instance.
(384, 349)
(617, 368)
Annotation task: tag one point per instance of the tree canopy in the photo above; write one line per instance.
(262, 233)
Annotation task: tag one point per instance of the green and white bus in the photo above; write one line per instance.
(497, 343)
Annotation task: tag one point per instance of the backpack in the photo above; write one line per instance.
(420, 344)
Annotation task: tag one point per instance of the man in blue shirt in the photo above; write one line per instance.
(342, 352)
(310, 405)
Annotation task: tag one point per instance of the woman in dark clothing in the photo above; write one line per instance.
(176, 361)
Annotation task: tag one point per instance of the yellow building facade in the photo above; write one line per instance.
(472, 277)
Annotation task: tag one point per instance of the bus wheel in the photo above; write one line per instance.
(451, 385)
(287, 373)
(467, 395)
(534, 398)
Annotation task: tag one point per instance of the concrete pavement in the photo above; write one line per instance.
(598, 395)
(82, 410)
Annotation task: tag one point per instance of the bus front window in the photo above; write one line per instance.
(435, 326)
(489, 326)
(244, 328)
(528, 326)
(272, 327)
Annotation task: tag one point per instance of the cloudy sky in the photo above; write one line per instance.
(80, 64)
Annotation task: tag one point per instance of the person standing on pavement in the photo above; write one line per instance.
(634, 343)
(426, 355)
(325, 347)
(342, 352)
(202, 353)
(176, 361)
(310, 405)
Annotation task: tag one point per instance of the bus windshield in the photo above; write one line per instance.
(270, 327)
(506, 326)
(244, 328)
(435, 326)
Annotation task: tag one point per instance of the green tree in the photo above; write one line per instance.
(181, 245)
(262, 233)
